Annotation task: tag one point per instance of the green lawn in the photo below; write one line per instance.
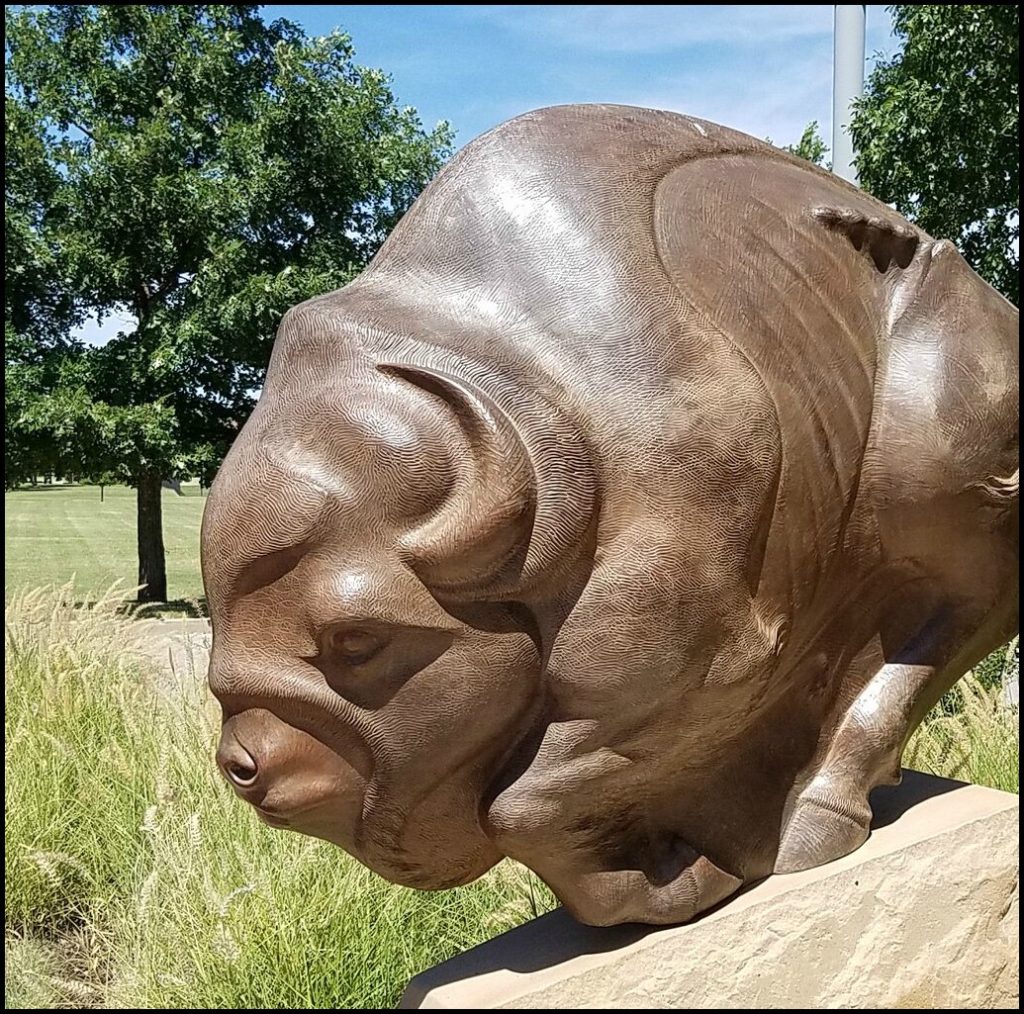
(54, 533)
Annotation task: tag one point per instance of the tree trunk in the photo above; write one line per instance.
(150, 528)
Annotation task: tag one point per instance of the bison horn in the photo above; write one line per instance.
(523, 504)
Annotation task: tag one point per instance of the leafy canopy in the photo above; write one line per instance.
(810, 146)
(938, 131)
(202, 170)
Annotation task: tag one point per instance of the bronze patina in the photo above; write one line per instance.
(624, 517)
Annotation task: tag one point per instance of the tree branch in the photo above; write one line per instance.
(88, 133)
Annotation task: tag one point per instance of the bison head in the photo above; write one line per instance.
(374, 548)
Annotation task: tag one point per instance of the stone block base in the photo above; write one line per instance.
(924, 915)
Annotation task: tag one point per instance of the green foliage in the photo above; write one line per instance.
(161, 889)
(1001, 666)
(972, 735)
(29, 371)
(32, 971)
(938, 132)
(810, 146)
(37, 302)
(201, 170)
(39, 310)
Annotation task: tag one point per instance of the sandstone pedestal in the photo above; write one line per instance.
(924, 915)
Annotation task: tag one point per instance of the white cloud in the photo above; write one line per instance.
(649, 28)
(777, 102)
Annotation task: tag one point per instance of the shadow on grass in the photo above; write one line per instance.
(43, 489)
(186, 490)
(171, 609)
(192, 608)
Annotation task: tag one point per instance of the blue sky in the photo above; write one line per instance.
(766, 70)
(763, 69)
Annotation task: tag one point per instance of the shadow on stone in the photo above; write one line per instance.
(553, 939)
(890, 802)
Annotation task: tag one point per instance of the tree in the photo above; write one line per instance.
(37, 304)
(810, 146)
(938, 135)
(38, 309)
(204, 171)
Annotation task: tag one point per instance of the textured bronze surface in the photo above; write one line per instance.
(624, 517)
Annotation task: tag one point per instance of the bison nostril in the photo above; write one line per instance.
(238, 765)
(243, 774)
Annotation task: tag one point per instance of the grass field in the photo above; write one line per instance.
(54, 533)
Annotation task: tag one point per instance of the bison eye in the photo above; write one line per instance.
(355, 646)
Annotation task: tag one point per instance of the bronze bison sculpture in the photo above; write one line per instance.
(623, 517)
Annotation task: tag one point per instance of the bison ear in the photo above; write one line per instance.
(478, 538)
(885, 240)
(524, 498)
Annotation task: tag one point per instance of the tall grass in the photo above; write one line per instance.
(80, 751)
(971, 735)
(134, 878)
